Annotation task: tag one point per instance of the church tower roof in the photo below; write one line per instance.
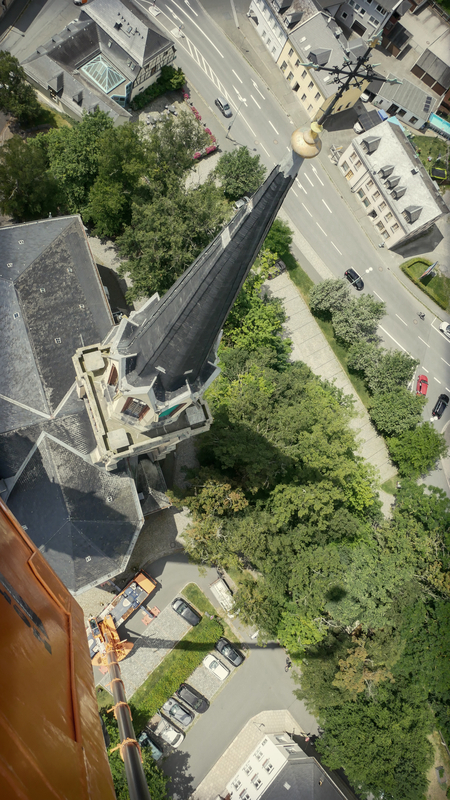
(172, 341)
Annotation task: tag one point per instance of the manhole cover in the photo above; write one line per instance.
(380, 269)
(415, 321)
(256, 141)
(275, 141)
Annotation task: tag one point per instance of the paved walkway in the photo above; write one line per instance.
(311, 347)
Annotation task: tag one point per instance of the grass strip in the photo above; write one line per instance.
(390, 485)
(437, 287)
(194, 595)
(186, 656)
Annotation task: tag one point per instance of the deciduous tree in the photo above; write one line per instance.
(396, 412)
(279, 238)
(240, 173)
(28, 190)
(358, 319)
(329, 295)
(16, 95)
(416, 452)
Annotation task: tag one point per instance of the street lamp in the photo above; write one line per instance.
(242, 100)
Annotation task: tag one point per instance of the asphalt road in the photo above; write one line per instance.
(259, 684)
(314, 205)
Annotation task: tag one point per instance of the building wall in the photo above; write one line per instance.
(367, 14)
(262, 766)
(151, 72)
(402, 112)
(269, 29)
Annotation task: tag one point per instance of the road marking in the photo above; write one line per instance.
(379, 298)
(445, 362)
(308, 179)
(288, 149)
(315, 173)
(256, 87)
(425, 343)
(435, 379)
(307, 210)
(237, 76)
(402, 320)
(241, 99)
(448, 390)
(190, 7)
(295, 192)
(261, 145)
(425, 370)
(258, 105)
(273, 126)
(329, 209)
(301, 187)
(336, 248)
(325, 234)
(394, 340)
(197, 26)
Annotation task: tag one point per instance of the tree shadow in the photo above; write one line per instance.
(176, 766)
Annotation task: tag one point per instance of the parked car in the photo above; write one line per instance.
(241, 202)
(364, 97)
(168, 733)
(422, 385)
(277, 269)
(444, 327)
(223, 106)
(219, 669)
(184, 610)
(225, 649)
(355, 279)
(145, 741)
(177, 712)
(193, 698)
(440, 406)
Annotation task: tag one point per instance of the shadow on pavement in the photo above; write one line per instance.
(176, 766)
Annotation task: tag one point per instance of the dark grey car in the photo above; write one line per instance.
(225, 648)
(184, 610)
(193, 698)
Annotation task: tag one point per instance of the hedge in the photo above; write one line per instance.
(176, 668)
(169, 80)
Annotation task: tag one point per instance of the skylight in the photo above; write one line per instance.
(103, 74)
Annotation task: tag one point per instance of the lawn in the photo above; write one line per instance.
(435, 148)
(438, 287)
(390, 486)
(52, 118)
(194, 595)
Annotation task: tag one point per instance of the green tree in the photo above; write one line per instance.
(28, 190)
(279, 238)
(396, 412)
(16, 95)
(329, 295)
(240, 173)
(384, 370)
(416, 452)
(358, 319)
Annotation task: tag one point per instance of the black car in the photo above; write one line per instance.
(440, 406)
(184, 610)
(355, 279)
(277, 269)
(193, 698)
(225, 648)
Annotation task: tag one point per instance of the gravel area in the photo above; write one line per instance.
(206, 682)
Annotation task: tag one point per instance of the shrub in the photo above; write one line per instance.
(169, 80)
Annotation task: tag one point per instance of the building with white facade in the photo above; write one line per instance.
(384, 171)
(275, 21)
(365, 17)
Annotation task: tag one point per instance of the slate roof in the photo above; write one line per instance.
(305, 39)
(45, 432)
(178, 337)
(302, 778)
(418, 101)
(434, 66)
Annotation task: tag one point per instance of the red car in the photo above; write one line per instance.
(422, 385)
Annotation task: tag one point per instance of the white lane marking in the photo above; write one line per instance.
(261, 145)
(425, 370)
(288, 149)
(448, 390)
(435, 379)
(273, 126)
(190, 7)
(250, 128)
(379, 298)
(301, 187)
(197, 26)
(315, 173)
(307, 210)
(336, 248)
(402, 320)
(394, 340)
(308, 179)
(237, 76)
(325, 234)
(445, 362)
(295, 192)
(257, 104)
(256, 87)
(323, 201)
(425, 343)
(241, 99)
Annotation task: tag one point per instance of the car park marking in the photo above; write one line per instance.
(325, 234)
(445, 362)
(237, 76)
(307, 210)
(273, 126)
(440, 382)
(308, 179)
(402, 320)
(425, 343)
(394, 340)
(336, 248)
(197, 26)
(329, 209)
(379, 298)
(255, 101)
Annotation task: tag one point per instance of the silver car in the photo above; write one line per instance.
(168, 733)
(223, 106)
(177, 712)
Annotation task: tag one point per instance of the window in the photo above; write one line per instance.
(244, 795)
(310, 107)
(360, 193)
(401, 112)
(353, 157)
(303, 97)
(316, 96)
(376, 195)
(366, 202)
(380, 226)
(381, 10)
(369, 184)
(134, 408)
(259, 755)
(284, 66)
(373, 20)
(349, 175)
(394, 227)
(236, 783)
(385, 234)
(304, 73)
(268, 42)
(290, 76)
(351, 2)
(388, 216)
(344, 166)
(291, 53)
(273, 50)
(256, 781)
(344, 14)
(297, 63)
(263, 35)
(357, 6)
(358, 164)
(310, 85)
(362, 12)
(247, 768)
(413, 120)
(268, 766)
(381, 206)
(296, 87)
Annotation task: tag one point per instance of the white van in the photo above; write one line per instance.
(223, 593)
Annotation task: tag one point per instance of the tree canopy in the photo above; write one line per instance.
(240, 173)
(16, 95)
(28, 190)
